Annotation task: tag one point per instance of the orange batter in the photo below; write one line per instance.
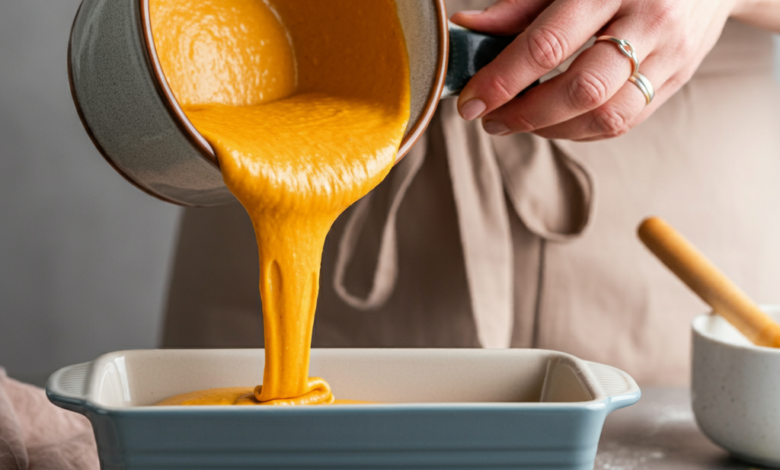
(305, 103)
(242, 396)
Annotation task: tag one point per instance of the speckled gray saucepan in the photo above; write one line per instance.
(134, 120)
(466, 409)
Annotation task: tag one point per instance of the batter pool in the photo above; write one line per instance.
(305, 103)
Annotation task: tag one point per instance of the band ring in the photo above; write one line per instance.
(644, 86)
(626, 48)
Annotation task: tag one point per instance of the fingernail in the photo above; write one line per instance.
(472, 109)
(471, 12)
(495, 128)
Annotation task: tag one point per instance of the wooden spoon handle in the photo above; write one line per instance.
(695, 270)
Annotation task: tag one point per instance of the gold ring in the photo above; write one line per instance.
(644, 86)
(626, 48)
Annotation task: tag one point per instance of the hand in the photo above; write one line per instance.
(593, 99)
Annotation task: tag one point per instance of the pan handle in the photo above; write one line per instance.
(69, 387)
(469, 52)
(621, 389)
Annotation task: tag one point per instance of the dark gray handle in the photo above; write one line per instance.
(469, 52)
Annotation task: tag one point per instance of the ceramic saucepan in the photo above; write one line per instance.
(131, 115)
(736, 390)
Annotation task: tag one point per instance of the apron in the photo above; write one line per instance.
(519, 241)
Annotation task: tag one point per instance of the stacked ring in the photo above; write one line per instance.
(644, 86)
(626, 48)
(636, 78)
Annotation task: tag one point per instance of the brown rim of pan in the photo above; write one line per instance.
(205, 149)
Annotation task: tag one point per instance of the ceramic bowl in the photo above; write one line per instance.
(465, 409)
(736, 390)
(133, 118)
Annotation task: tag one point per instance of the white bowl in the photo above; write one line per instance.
(736, 390)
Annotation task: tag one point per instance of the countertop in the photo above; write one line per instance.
(660, 432)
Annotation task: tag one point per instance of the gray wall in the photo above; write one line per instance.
(777, 58)
(84, 256)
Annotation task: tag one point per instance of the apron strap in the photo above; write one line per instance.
(484, 226)
(386, 273)
(552, 193)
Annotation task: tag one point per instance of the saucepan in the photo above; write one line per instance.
(130, 113)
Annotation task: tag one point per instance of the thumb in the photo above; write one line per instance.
(503, 18)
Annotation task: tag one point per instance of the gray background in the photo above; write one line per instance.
(84, 256)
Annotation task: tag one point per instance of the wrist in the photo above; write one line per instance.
(743, 8)
(746, 7)
(760, 13)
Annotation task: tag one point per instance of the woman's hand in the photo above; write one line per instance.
(593, 99)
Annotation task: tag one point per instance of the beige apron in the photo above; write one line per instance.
(519, 241)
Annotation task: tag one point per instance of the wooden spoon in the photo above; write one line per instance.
(696, 271)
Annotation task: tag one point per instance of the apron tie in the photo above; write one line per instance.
(551, 192)
(386, 273)
(484, 226)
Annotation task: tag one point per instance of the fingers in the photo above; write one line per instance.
(612, 119)
(503, 18)
(593, 79)
(592, 100)
(628, 108)
(556, 34)
(622, 112)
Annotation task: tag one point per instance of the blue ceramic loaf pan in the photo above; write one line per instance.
(442, 408)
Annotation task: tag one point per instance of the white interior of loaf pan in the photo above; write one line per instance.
(390, 376)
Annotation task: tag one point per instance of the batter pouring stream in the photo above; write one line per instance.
(305, 103)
